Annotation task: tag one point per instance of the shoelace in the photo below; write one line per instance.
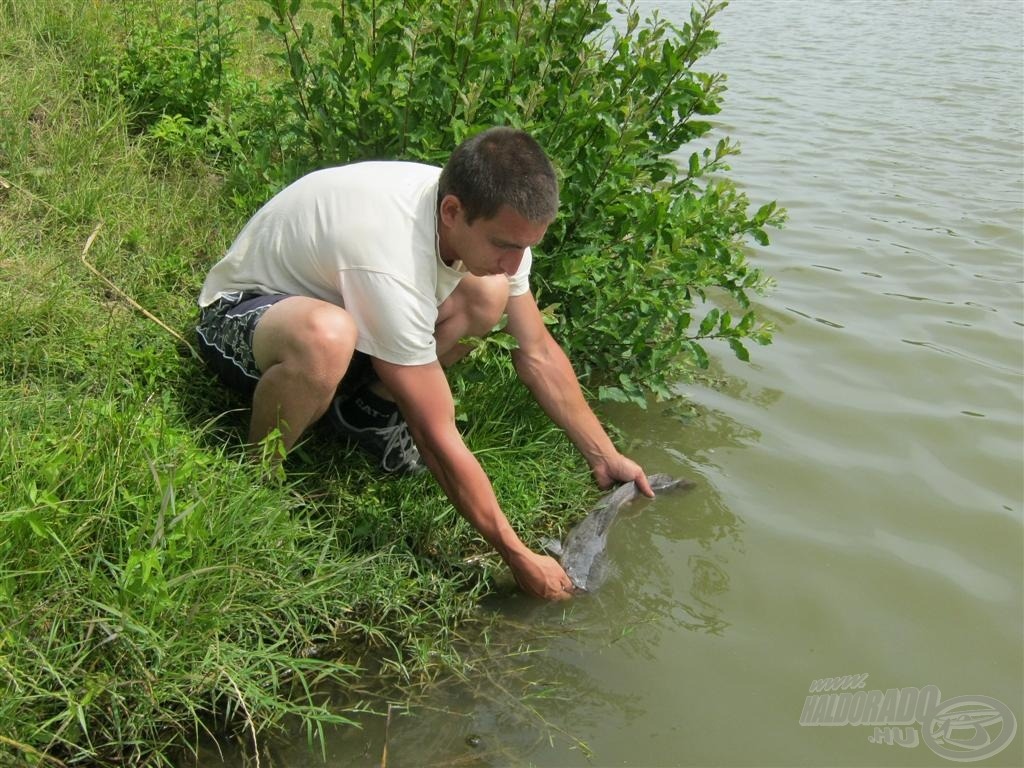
(398, 436)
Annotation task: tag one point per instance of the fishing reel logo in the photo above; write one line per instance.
(962, 729)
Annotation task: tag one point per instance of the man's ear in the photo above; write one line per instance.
(450, 209)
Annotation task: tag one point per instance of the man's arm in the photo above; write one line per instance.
(423, 395)
(546, 371)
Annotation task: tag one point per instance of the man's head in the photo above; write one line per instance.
(501, 166)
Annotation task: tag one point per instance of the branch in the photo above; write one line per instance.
(129, 299)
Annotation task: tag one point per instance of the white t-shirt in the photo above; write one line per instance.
(364, 237)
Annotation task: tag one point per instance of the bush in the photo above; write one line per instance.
(639, 239)
(642, 242)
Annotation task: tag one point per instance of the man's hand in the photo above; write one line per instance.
(547, 372)
(540, 576)
(618, 468)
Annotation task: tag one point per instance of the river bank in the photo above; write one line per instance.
(154, 582)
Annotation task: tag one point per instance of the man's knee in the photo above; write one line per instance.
(483, 300)
(328, 325)
(315, 338)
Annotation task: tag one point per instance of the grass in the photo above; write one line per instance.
(154, 582)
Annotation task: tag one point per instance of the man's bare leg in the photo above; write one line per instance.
(472, 310)
(303, 347)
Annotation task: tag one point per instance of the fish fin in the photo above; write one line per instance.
(661, 482)
(552, 547)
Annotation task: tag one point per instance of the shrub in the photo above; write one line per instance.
(647, 260)
(640, 239)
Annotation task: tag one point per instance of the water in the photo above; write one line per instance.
(861, 484)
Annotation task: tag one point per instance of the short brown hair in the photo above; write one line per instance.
(501, 166)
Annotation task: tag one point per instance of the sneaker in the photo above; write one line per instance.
(387, 438)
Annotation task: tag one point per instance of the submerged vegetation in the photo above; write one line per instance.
(154, 582)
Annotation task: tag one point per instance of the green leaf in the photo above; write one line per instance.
(739, 350)
(708, 322)
(36, 523)
(700, 357)
(613, 394)
(763, 213)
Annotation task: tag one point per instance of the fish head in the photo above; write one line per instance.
(552, 546)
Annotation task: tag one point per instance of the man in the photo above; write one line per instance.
(390, 264)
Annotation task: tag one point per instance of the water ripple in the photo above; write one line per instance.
(947, 564)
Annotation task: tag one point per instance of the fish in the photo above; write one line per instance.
(583, 553)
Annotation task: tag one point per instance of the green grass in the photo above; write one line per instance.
(154, 582)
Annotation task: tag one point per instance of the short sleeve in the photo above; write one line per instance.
(519, 283)
(394, 320)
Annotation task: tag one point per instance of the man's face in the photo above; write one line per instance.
(492, 246)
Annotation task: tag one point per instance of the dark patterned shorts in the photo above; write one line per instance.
(225, 332)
